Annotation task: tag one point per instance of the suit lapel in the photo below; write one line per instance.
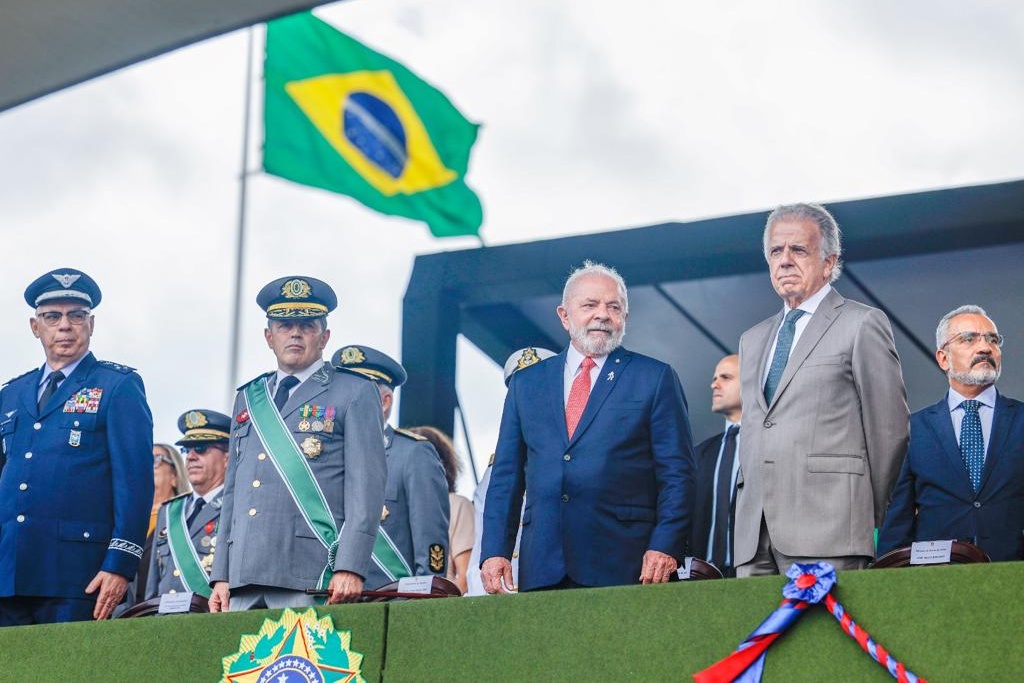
(555, 390)
(315, 385)
(205, 516)
(610, 375)
(939, 421)
(29, 396)
(1002, 419)
(824, 316)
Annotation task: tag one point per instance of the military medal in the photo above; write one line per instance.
(206, 541)
(75, 438)
(304, 425)
(210, 527)
(311, 447)
(318, 426)
(329, 419)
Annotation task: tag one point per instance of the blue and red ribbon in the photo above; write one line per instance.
(809, 585)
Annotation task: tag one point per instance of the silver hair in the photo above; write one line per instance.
(942, 331)
(831, 235)
(591, 268)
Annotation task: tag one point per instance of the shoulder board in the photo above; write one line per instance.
(410, 435)
(117, 367)
(256, 379)
(180, 495)
(24, 374)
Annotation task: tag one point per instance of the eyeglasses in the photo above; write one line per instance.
(969, 337)
(79, 316)
(162, 458)
(201, 448)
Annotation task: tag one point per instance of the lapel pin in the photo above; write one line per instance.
(611, 375)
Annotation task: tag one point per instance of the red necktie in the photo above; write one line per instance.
(578, 395)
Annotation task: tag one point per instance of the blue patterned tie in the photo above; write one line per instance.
(972, 443)
(781, 357)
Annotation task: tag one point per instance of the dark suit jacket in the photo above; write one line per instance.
(705, 457)
(596, 503)
(934, 484)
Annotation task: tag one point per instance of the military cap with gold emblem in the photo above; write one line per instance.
(524, 358)
(297, 296)
(370, 363)
(63, 284)
(203, 426)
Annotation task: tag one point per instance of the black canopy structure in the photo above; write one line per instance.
(46, 45)
(695, 287)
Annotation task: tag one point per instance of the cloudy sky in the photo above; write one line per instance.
(596, 115)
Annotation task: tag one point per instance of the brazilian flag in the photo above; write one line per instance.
(339, 116)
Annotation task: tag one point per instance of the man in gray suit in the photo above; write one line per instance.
(305, 483)
(413, 535)
(825, 418)
(192, 519)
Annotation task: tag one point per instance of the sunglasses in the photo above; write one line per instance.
(201, 448)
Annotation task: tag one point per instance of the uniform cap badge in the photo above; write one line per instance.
(296, 289)
(352, 354)
(195, 419)
(65, 279)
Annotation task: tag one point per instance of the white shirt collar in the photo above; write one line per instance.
(302, 375)
(986, 398)
(812, 303)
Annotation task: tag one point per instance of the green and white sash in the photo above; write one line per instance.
(294, 470)
(387, 557)
(186, 559)
(304, 488)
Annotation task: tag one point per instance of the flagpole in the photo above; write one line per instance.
(236, 323)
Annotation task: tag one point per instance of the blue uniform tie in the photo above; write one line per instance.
(972, 442)
(781, 357)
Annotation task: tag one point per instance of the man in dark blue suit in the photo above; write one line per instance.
(963, 478)
(599, 437)
(77, 478)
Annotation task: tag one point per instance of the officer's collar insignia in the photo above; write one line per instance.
(195, 419)
(296, 289)
(65, 279)
(437, 561)
(528, 358)
(352, 354)
(296, 647)
(321, 376)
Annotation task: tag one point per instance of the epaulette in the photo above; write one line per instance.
(19, 376)
(411, 435)
(180, 495)
(117, 367)
(256, 379)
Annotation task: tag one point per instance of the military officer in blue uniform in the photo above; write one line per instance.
(413, 536)
(76, 483)
(306, 472)
(192, 519)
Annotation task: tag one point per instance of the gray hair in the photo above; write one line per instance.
(942, 331)
(591, 268)
(831, 235)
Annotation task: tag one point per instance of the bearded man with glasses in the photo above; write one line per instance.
(76, 482)
(963, 478)
(185, 539)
